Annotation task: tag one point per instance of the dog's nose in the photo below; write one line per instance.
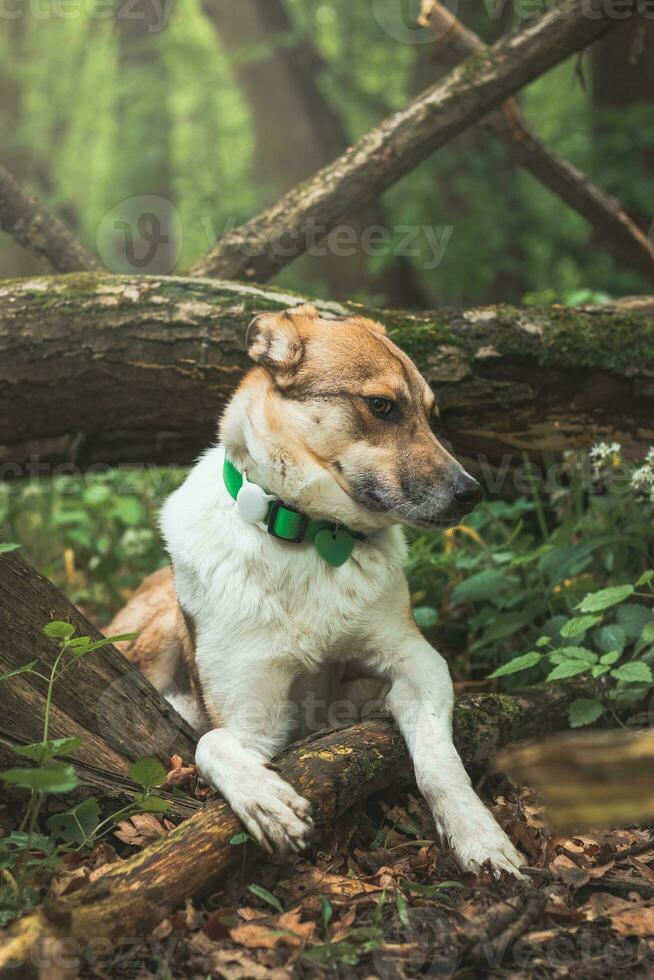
(468, 492)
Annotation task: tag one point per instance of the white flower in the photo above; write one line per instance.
(136, 541)
(649, 459)
(642, 480)
(604, 452)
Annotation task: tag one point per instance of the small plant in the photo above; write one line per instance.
(609, 644)
(29, 852)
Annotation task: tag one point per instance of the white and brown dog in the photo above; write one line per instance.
(291, 599)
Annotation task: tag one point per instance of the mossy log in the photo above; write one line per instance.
(127, 369)
(102, 698)
(334, 770)
(589, 779)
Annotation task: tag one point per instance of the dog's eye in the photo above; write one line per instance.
(380, 406)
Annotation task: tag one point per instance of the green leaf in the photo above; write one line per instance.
(482, 585)
(635, 672)
(7, 546)
(611, 637)
(647, 636)
(266, 896)
(19, 670)
(154, 804)
(503, 626)
(56, 778)
(76, 825)
(633, 619)
(425, 617)
(327, 912)
(579, 625)
(645, 578)
(82, 645)
(429, 891)
(599, 669)
(610, 657)
(58, 630)
(569, 668)
(402, 909)
(520, 663)
(21, 840)
(41, 752)
(241, 838)
(605, 598)
(543, 641)
(148, 772)
(584, 711)
(578, 653)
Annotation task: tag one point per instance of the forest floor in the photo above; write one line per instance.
(379, 897)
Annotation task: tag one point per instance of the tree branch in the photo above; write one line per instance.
(36, 228)
(264, 245)
(123, 359)
(617, 232)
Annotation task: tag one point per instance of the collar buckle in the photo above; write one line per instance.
(275, 507)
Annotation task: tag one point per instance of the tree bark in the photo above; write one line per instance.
(102, 698)
(37, 229)
(335, 771)
(264, 245)
(614, 228)
(297, 131)
(588, 779)
(142, 367)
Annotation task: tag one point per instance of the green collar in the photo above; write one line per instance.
(333, 542)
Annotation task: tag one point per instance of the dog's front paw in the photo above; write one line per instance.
(475, 837)
(276, 816)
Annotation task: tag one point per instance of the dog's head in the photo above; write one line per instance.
(336, 420)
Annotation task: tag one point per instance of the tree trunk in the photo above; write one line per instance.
(335, 771)
(623, 82)
(297, 131)
(263, 246)
(143, 366)
(102, 698)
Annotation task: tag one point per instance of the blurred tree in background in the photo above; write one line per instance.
(219, 108)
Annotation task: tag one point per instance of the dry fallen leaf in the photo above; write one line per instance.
(140, 829)
(287, 929)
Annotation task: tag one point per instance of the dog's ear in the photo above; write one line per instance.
(273, 340)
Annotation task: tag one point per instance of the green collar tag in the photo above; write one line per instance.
(333, 542)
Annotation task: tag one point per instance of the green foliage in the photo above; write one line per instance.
(266, 897)
(549, 587)
(27, 853)
(93, 536)
(96, 112)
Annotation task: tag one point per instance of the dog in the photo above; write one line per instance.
(286, 588)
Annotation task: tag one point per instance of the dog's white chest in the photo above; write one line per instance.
(262, 594)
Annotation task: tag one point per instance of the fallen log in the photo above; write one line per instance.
(334, 770)
(135, 369)
(588, 779)
(103, 699)
(258, 249)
